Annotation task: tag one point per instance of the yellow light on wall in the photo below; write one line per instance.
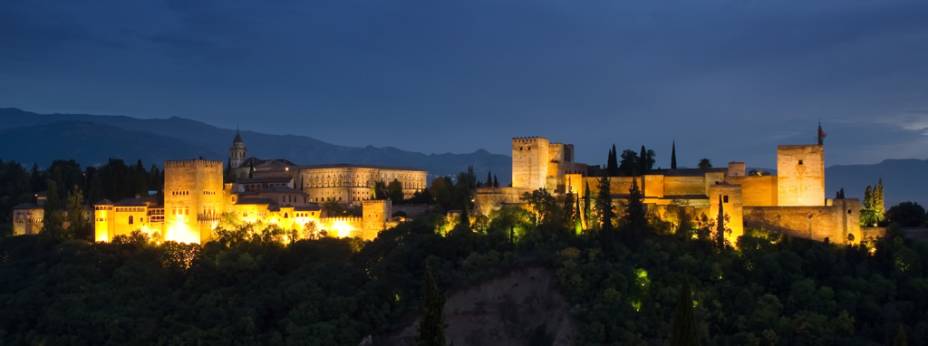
(342, 229)
(180, 232)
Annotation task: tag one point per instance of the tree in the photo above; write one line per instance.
(495, 181)
(879, 202)
(634, 221)
(432, 324)
(78, 224)
(586, 203)
(395, 191)
(645, 160)
(629, 164)
(720, 226)
(604, 206)
(612, 165)
(906, 214)
(53, 219)
(705, 164)
(489, 182)
(684, 332)
(673, 155)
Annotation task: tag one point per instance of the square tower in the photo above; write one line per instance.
(732, 206)
(801, 175)
(193, 199)
(530, 159)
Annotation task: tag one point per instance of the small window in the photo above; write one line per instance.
(849, 211)
(130, 219)
(800, 162)
(725, 198)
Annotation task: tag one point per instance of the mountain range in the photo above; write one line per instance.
(29, 137)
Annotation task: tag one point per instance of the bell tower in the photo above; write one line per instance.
(237, 152)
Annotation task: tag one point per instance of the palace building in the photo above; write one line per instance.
(793, 201)
(198, 199)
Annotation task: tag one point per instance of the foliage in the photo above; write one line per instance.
(248, 288)
(873, 213)
(432, 324)
(704, 164)
(906, 214)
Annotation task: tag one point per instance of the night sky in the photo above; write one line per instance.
(727, 79)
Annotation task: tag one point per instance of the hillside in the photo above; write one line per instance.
(30, 137)
(523, 307)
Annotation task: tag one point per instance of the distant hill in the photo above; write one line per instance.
(90, 139)
(904, 180)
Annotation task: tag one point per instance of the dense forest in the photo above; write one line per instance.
(630, 280)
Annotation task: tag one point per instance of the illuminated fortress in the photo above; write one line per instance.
(262, 194)
(792, 202)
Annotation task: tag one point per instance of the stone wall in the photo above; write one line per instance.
(838, 223)
(757, 191)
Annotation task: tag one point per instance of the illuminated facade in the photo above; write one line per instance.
(353, 184)
(792, 202)
(28, 219)
(197, 203)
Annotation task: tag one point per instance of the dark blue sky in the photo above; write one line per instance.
(727, 79)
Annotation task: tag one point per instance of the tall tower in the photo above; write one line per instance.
(530, 158)
(801, 175)
(193, 199)
(237, 151)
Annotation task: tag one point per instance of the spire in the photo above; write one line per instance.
(673, 155)
(821, 134)
(238, 136)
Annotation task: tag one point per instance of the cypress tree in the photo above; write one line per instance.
(673, 155)
(495, 181)
(604, 205)
(635, 219)
(684, 331)
(879, 203)
(720, 226)
(586, 203)
(432, 324)
(489, 182)
(612, 164)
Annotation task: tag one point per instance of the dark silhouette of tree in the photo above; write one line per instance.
(645, 160)
(906, 214)
(673, 155)
(629, 164)
(683, 332)
(495, 181)
(604, 206)
(634, 221)
(489, 182)
(395, 191)
(705, 164)
(432, 324)
(720, 226)
(78, 225)
(612, 165)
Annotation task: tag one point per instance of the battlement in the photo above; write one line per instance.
(528, 139)
(195, 163)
